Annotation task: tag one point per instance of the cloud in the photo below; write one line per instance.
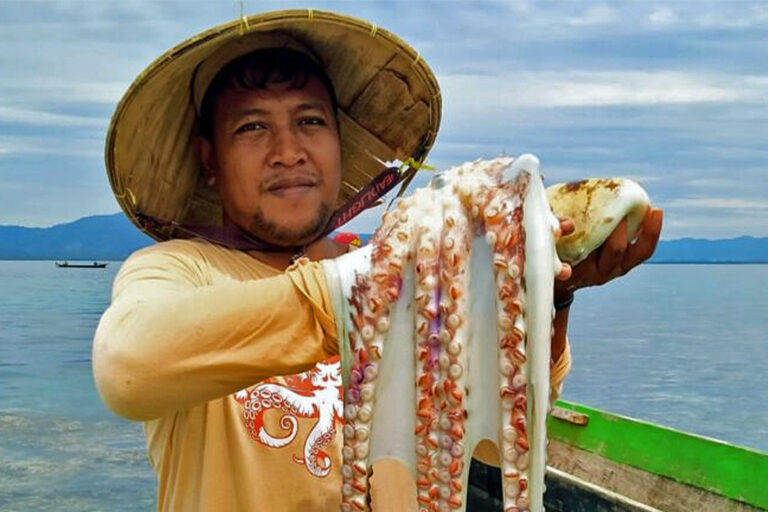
(83, 147)
(733, 152)
(661, 17)
(568, 19)
(642, 179)
(742, 186)
(734, 16)
(576, 88)
(26, 116)
(719, 203)
(595, 15)
(710, 183)
(33, 90)
(678, 224)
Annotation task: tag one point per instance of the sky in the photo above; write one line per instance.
(673, 94)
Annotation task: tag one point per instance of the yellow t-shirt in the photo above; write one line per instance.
(191, 329)
(191, 345)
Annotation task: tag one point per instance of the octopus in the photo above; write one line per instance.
(447, 325)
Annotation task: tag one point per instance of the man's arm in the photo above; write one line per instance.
(170, 340)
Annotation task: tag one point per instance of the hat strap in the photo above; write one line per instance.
(235, 238)
(228, 236)
(367, 197)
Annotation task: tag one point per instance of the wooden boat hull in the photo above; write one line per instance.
(599, 461)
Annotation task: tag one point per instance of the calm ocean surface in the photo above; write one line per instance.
(681, 345)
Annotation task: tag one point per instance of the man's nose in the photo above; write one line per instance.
(287, 148)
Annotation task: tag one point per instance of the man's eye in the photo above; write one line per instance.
(249, 127)
(312, 121)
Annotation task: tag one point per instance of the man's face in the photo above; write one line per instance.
(276, 156)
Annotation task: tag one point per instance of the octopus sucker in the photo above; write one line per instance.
(445, 331)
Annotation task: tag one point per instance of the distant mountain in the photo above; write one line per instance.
(100, 237)
(113, 237)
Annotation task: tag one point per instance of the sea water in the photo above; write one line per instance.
(60, 448)
(680, 345)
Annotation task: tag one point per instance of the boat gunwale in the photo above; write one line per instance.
(716, 466)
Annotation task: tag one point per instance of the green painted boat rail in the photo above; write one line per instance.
(716, 466)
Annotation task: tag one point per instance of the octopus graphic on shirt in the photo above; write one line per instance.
(316, 393)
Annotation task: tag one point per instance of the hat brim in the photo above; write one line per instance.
(389, 108)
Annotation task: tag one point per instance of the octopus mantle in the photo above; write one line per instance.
(448, 323)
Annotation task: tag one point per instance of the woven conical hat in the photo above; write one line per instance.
(389, 108)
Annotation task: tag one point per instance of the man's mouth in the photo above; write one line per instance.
(289, 187)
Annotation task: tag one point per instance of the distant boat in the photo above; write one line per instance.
(95, 264)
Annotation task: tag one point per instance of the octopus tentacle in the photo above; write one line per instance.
(370, 301)
(453, 334)
(426, 328)
(509, 261)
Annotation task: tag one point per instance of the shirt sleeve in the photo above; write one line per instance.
(171, 339)
(558, 372)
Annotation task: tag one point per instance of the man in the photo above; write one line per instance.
(289, 107)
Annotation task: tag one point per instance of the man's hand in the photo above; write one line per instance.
(614, 258)
(617, 256)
